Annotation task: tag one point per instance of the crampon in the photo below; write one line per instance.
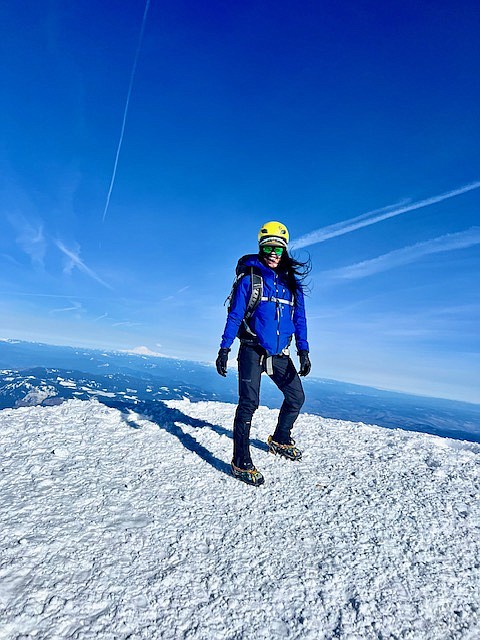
(289, 451)
(249, 476)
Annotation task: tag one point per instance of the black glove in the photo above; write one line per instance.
(221, 361)
(305, 364)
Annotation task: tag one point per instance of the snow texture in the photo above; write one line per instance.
(115, 526)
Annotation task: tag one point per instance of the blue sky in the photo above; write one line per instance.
(356, 124)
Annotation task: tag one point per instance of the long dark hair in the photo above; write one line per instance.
(295, 272)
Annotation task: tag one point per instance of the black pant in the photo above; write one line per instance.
(251, 363)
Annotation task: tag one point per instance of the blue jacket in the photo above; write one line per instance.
(274, 320)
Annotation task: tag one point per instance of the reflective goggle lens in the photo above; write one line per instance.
(278, 251)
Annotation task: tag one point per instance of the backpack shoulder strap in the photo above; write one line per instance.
(256, 292)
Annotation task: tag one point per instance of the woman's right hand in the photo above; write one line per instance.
(221, 362)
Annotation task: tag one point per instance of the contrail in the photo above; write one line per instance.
(366, 219)
(406, 255)
(127, 103)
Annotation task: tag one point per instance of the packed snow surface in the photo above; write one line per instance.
(115, 526)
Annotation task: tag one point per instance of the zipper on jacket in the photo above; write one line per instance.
(277, 304)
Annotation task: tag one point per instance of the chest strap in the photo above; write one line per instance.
(290, 303)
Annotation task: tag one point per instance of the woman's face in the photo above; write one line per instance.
(272, 260)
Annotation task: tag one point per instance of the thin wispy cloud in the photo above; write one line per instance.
(36, 294)
(76, 306)
(406, 255)
(127, 323)
(30, 238)
(10, 259)
(175, 297)
(366, 219)
(74, 261)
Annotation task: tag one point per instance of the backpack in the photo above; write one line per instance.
(256, 293)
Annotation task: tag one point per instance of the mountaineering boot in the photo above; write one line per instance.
(286, 450)
(250, 476)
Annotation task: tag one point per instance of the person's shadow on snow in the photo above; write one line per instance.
(170, 420)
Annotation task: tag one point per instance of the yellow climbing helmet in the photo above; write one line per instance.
(273, 233)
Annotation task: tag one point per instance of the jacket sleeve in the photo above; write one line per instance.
(238, 308)
(300, 322)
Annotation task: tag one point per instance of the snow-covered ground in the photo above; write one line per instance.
(114, 526)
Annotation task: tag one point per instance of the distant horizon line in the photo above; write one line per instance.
(211, 364)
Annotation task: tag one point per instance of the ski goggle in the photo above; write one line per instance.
(278, 251)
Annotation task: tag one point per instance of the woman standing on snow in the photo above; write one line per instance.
(265, 333)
